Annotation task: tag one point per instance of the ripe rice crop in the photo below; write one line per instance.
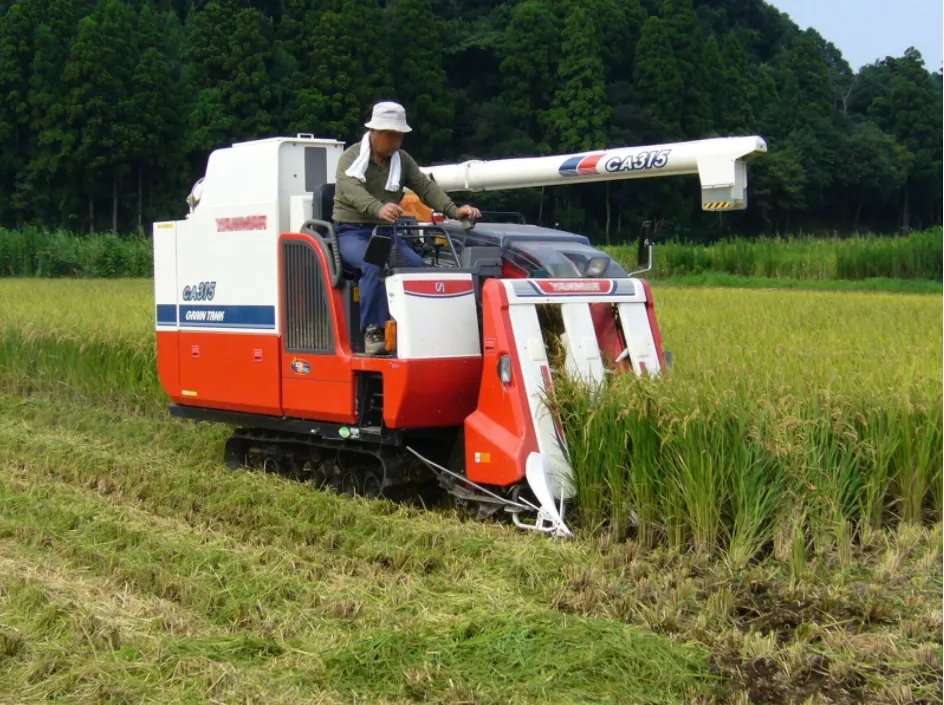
(94, 338)
(787, 419)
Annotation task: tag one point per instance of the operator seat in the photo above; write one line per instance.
(322, 203)
(322, 206)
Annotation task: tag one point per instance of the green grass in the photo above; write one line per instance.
(770, 534)
(861, 263)
(32, 252)
(877, 262)
(723, 279)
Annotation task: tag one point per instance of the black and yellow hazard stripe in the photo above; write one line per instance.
(717, 205)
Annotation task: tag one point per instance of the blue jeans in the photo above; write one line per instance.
(352, 241)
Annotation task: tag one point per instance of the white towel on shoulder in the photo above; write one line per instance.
(358, 169)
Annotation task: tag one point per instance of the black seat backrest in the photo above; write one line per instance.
(322, 202)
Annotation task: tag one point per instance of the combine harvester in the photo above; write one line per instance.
(257, 323)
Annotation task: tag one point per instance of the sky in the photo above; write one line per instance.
(869, 30)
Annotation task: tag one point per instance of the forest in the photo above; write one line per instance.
(111, 107)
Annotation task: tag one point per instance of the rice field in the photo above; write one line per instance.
(789, 420)
(761, 525)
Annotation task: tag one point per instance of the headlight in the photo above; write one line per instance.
(504, 369)
(596, 266)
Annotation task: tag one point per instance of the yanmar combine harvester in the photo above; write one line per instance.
(257, 324)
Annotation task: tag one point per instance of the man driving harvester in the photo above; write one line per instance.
(369, 186)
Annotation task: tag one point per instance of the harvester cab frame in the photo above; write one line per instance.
(256, 323)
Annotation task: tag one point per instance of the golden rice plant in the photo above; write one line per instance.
(813, 410)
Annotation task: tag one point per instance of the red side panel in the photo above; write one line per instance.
(426, 393)
(318, 387)
(168, 367)
(499, 435)
(235, 371)
(609, 334)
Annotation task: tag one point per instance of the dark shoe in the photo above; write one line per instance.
(375, 342)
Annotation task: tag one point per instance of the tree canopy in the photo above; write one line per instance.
(110, 108)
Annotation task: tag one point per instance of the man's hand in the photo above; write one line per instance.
(468, 211)
(390, 212)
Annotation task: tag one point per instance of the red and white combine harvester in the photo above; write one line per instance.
(257, 324)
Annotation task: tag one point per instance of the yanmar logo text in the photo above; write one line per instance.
(245, 222)
(577, 286)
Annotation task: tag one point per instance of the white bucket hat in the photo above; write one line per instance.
(388, 116)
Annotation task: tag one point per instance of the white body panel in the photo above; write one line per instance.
(223, 275)
(165, 285)
(435, 314)
(299, 211)
(241, 266)
(640, 343)
(536, 377)
(583, 359)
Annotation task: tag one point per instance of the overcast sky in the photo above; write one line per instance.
(869, 30)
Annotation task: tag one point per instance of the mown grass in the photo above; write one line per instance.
(278, 591)
(134, 567)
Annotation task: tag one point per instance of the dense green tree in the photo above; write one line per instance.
(16, 131)
(528, 69)
(51, 175)
(685, 36)
(807, 118)
(158, 156)
(714, 88)
(579, 110)
(419, 77)
(303, 101)
(658, 79)
(351, 65)
(872, 171)
(804, 82)
(616, 25)
(112, 107)
(904, 100)
(841, 77)
(230, 53)
(738, 82)
(779, 188)
(99, 103)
